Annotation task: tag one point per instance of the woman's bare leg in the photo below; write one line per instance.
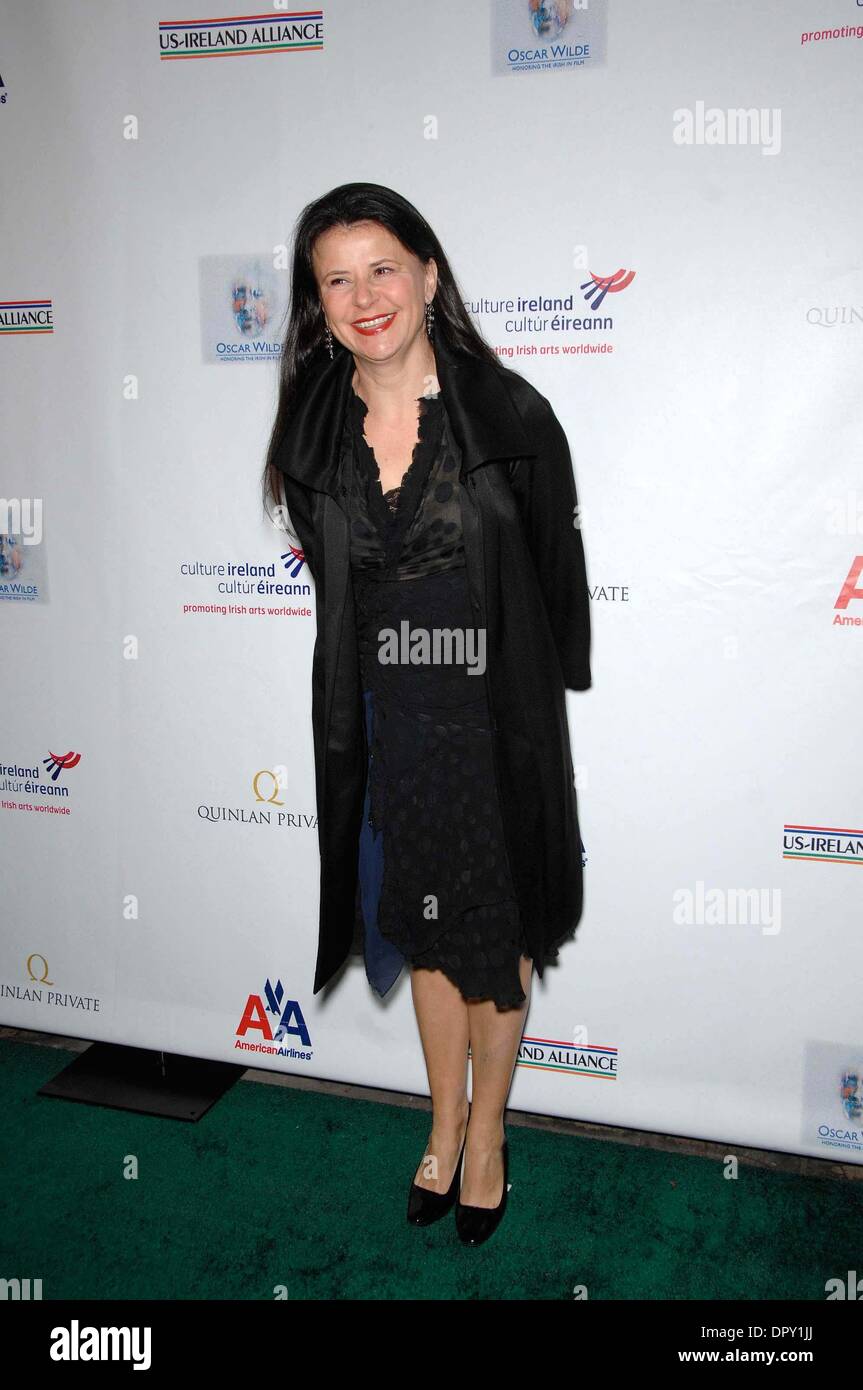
(442, 1015)
(494, 1040)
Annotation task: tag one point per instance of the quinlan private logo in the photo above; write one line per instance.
(287, 1021)
(850, 589)
(598, 286)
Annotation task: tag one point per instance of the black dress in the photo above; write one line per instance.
(434, 885)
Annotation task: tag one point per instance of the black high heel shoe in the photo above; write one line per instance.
(425, 1206)
(476, 1224)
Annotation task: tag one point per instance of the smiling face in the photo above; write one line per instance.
(373, 290)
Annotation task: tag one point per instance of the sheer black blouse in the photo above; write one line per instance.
(414, 529)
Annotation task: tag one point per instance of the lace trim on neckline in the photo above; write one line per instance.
(395, 520)
(425, 416)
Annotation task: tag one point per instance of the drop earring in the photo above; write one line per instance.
(328, 339)
(429, 318)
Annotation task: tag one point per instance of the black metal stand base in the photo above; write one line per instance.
(137, 1078)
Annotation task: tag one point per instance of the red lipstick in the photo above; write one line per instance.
(378, 328)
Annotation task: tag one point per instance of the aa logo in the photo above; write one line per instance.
(274, 1017)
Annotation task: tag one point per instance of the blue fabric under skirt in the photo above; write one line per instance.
(384, 961)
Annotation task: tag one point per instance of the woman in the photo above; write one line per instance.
(431, 490)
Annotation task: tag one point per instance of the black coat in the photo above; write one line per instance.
(526, 572)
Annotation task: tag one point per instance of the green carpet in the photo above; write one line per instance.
(277, 1187)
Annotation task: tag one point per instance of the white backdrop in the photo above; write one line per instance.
(149, 893)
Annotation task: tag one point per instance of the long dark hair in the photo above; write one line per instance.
(303, 349)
